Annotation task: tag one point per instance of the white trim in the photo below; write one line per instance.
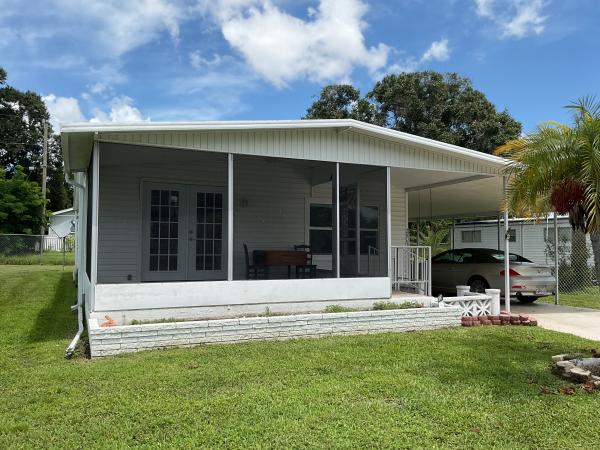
(132, 296)
(344, 124)
(230, 216)
(95, 212)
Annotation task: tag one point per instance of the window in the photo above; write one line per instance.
(164, 223)
(453, 256)
(471, 236)
(321, 229)
(369, 229)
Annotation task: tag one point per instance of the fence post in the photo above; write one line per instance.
(495, 302)
(462, 290)
(556, 265)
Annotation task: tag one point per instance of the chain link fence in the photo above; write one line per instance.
(36, 249)
(578, 266)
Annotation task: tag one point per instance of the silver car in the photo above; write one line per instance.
(483, 268)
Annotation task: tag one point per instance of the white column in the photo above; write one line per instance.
(388, 216)
(357, 218)
(506, 252)
(336, 221)
(229, 216)
(94, 206)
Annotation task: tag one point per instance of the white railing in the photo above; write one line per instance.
(411, 268)
(472, 304)
(373, 260)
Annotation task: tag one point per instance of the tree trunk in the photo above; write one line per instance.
(580, 273)
(596, 249)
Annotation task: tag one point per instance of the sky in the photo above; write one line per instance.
(189, 60)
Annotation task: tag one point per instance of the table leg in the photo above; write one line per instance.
(289, 272)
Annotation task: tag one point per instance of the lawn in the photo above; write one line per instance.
(466, 387)
(588, 299)
(48, 257)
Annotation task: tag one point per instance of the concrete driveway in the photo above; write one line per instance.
(582, 322)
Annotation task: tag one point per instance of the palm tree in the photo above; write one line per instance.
(557, 168)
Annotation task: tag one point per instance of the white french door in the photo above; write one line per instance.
(183, 232)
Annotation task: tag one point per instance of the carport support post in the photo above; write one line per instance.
(506, 252)
(556, 294)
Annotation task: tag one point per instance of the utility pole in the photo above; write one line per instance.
(44, 175)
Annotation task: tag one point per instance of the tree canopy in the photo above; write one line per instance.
(22, 117)
(21, 204)
(445, 107)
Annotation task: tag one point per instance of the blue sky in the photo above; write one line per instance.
(267, 59)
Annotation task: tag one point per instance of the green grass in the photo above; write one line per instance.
(588, 299)
(460, 388)
(46, 258)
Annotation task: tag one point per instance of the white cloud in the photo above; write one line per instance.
(515, 18)
(198, 61)
(118, 26)
(282, 48)
(484, 7)
(438, 51)
(63, 110)
(121, 110)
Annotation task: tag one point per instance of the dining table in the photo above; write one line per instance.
(280, 258)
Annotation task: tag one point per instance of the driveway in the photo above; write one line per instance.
(582, 322)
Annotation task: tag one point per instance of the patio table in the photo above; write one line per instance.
(275, 258)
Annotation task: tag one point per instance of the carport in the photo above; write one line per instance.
(460, 196)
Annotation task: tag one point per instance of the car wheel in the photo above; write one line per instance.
(478, 285)
(526, 299)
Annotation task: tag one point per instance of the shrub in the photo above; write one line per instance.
(385, 305)
(338, 309)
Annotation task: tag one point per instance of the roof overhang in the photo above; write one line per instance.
(78, 138)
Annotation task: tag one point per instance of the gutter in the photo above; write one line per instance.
(79, 305)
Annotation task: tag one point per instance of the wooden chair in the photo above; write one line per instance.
(253, 272)
(308, 270)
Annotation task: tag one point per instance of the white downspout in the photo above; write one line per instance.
(78, 306)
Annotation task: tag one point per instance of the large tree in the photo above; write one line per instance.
(444, 107)
(22, 117)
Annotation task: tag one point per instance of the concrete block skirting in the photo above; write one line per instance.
(132, 338)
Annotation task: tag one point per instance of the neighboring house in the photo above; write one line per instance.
(529, 238)
(165, 209)
(60, 225)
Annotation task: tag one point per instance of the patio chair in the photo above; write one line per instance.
(253, 271)
(308, 270)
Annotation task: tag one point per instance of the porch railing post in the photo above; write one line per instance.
(230, 216)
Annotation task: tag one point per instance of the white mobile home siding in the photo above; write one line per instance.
(530, 237)
(346, 146)
(270, 202)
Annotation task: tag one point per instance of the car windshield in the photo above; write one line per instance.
(499, 256)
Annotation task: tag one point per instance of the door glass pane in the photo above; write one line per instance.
(164, 227)
(209, 230)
